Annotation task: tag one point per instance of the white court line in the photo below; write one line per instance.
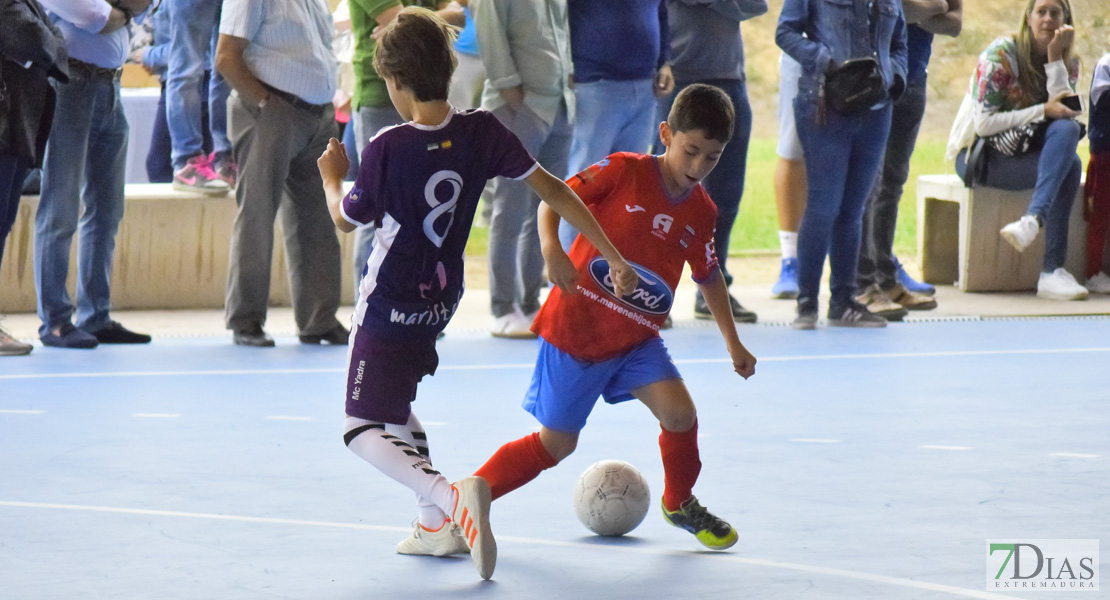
(936, 447)
(156, 415)
(858, 575)
(1073, 455)
(286, 418)
(16, 411)
(487, 367)
(814, 441)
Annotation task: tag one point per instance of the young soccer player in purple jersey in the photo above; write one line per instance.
(420, 183)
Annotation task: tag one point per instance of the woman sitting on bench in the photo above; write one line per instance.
(1016, 130)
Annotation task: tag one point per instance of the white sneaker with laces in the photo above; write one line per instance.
(471, 515)
(10, 346)
(445, 541)
(1060, 285)
(1022, 232)
(515, 326)
(1099, 284)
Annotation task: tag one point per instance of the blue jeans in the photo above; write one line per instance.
(876, 256)
(194, 28)
(725, 184)
(159, 166)
(86, 157)
(610, 116)
(13, 170)
(1053, 174)
(842, 159)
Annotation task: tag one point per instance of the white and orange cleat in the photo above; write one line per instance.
(471, 515)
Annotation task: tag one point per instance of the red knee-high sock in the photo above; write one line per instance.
(515, 464)
(681, 465)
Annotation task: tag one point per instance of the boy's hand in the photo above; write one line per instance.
(333, 163)
(624, 278)
(743, 362)
(561, 272)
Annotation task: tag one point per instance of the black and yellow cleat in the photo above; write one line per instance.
(713, 532)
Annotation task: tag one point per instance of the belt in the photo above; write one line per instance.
(296, 102)
(90, 71)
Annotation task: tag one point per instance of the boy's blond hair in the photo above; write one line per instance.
(415, 52)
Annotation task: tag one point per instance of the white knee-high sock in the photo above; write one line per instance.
(401, 452)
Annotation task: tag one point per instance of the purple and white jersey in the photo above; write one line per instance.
(420, 185)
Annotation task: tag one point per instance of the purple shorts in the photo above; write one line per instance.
(382, 375)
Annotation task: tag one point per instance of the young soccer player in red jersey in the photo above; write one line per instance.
(598, 343)
(419, 183)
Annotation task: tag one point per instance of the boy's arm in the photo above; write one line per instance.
(333, 165)
(716, 299)
(562, 200)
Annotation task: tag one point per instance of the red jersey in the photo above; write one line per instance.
(656, 234)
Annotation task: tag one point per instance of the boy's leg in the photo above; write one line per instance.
(670, 402)
(520, 461)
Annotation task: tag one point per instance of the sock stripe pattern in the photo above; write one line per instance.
(354, 433)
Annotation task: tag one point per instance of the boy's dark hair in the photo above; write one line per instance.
(705, 108)
(415, 52)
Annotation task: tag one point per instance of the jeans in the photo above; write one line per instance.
(610, 116)
(876, 257)
(369, 121)
(13, 170)
(159, 166)
(515, 260)
(842, 159)
(725, 184)
(194, 27)
(85, 161)
(1053, 174)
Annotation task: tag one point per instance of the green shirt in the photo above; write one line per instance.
(369, 88)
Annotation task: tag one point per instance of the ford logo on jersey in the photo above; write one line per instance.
(651, 296)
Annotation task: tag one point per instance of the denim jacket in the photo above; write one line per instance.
(815, 32)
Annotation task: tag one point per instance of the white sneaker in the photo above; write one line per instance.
(471, 515)
(1060, 285)
(1021, 233)
(10, 346)
(514, 326)
(1099, 284)
(445, 541)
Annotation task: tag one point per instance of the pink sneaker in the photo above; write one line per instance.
(197, 176)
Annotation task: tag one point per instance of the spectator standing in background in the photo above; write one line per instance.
(621, 53)
(86, 159)
(881, 290)
(277, 56)
(32, 51)
(525, 46)
(706, 47)
(193, 31)
(842, 150)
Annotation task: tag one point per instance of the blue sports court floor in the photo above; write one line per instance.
(855, 464)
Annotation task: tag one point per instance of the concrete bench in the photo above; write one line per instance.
(958, 240)
(171, 253)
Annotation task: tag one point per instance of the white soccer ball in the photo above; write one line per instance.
(611, 498)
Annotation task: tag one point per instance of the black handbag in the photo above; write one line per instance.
(855, 86)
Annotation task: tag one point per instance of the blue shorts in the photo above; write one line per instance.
(565, 389)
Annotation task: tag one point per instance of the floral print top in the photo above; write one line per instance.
(995, 84)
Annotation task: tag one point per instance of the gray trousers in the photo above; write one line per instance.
(515, 260)
(276, 149)
(368, 122)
